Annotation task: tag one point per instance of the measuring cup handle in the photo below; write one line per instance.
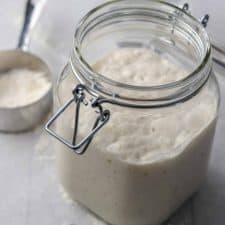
(32, 14)
(23, 39)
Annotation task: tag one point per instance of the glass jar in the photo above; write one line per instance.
(132, 153)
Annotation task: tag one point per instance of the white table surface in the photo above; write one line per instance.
(29, 190)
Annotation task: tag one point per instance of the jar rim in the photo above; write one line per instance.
(78, 57)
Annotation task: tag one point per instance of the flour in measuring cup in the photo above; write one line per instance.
(20, 87)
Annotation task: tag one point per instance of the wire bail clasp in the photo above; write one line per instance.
(204, 20)
(79, 97)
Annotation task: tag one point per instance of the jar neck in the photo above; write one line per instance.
(174, 24)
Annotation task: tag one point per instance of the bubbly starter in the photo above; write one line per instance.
(142, 165)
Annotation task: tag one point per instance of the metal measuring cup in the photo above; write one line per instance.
(22, 118)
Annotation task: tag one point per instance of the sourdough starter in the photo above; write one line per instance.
(143, 164)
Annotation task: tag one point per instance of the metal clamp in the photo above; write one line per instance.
(204, 21)
(78, 98)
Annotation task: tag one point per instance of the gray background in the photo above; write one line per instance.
(29, 191)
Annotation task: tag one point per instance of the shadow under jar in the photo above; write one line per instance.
(146, 149)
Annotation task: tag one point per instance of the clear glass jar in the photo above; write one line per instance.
(146, 150)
